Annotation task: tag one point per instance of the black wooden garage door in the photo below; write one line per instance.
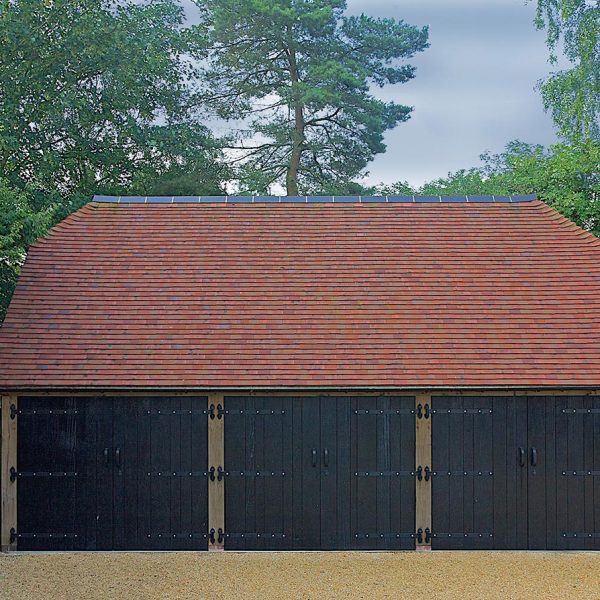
(516, 472)
(112, 473)
(319, 473)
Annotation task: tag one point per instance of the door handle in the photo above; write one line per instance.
(521, 457)
(533, 456)
(118, 458)
(314, 457)
(325, 457)
(105, 454)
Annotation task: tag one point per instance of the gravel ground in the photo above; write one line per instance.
(300, 575)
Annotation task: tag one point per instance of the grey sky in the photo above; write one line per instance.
(474, 88)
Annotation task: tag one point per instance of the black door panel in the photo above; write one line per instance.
(479, 488)
(305, 462)
(112, 473)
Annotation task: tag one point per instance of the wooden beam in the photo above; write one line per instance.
(311, 392)
(423, 520)
(8, 459)
(216, 459)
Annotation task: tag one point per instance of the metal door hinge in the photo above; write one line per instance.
(13, 474)
(13, 411)
(420, 470)
(219, 471)
(216, 412)
(420, 538)
(423, 411)
(220, 536)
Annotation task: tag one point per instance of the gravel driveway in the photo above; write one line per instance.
(300, 575)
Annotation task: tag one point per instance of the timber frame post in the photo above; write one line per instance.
(8, 483)
(216, 471)
(423, 466)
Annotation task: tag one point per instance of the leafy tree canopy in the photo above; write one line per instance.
(21, 222)
(565, 176)
(573, 95)
(94, 93)
(298, 74)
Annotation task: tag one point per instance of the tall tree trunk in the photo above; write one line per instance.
(298, 133)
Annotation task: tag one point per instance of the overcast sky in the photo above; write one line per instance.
(474, 89)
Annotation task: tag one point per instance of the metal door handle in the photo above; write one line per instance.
(325, 457)
(522, 457)
(533, 457)
(105, 454)
(118, 457)
(314, 457)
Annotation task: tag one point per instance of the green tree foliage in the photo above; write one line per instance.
(20, 224)
(573, 95)
(298, 74)
(566, 176)
(94, 93)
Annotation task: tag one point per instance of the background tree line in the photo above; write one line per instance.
(104, 96)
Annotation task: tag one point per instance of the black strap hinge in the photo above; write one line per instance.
(423, 411)
(220, 473)
(419, 473)
(220, 536)
(217, 411)
(426, 533)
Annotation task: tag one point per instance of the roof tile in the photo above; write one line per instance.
(267, 294)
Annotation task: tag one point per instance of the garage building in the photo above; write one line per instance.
(322, 372)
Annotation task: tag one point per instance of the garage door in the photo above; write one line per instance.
(319, 473)
(516, 472)
(112, 473)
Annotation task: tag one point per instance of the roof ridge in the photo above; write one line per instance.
(490, 199)
(569, 225)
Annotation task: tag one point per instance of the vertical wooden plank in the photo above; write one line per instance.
(595, 449)
(216, 458)
(235, 462)
(344, 470)
(484, 441)
(198, 460)
(287, 453)
(588, 465)
(550, 483)
(469, 425)
(440, 464)
(562, 465)
(575, 494)
(503, 468)
(366, 459)
(456, 453)
(8, 488)
(423, 459)
(328, 471)
(404, 501)
(311, 488)
(521, 439)
(145, 480)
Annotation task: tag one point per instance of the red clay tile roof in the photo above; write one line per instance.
(348, 295)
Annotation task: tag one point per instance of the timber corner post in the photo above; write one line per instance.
(216, 472)
(8, 466)
(423, 467)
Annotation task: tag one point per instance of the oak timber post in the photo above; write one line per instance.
(216, 466)
(8, 465)
(423, 467)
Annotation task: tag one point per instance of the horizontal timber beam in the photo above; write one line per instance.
(160, 392)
